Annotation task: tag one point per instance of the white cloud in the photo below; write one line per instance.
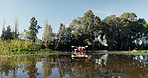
(102, 12)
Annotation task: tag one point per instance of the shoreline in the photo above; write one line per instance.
(30, 54)
(69, 53)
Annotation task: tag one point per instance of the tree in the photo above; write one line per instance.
(85, 29)
(16, 34)
(33, 29)
(3, 36)
(68, 37)
(47, 34)
(122, 32)
(60, 35)
(7, 34)
(110, 30)
(129, 16)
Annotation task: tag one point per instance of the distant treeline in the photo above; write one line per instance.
(126, 32)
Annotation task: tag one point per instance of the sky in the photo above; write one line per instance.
(64, 11)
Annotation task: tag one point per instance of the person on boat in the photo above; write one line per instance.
(82, 48)
(75, 51)
(79, 48)
(78, 51)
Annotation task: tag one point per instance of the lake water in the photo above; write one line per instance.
(64, 66)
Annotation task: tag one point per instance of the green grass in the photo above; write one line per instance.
(136, 51)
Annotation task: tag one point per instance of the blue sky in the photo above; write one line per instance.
(64, 11)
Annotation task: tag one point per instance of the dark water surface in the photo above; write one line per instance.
(63, 66)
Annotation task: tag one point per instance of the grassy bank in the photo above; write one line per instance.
(12, 47)
(136, 51)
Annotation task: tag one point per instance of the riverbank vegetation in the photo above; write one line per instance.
(124, 32)
(11, 47)
(12, 44)
(136, 51)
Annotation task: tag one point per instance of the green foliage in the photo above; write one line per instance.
(85, 29)
(7, 34)
(21, 47)
(136, 51)
(125, 32)
(3, 36)
(60, 36)
(47, 35)
(31, 51)
(122, 32)
(33, 29)
(129, 16)
(119, 33)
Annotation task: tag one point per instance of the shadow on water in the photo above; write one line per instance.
(63, 66)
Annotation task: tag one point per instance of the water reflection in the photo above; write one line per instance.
(63, 66)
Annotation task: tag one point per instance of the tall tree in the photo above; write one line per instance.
(7, 34)
(33, 29)
(86, 28)
(129, 16)
(110, 30)
(121, 32)
(3, 36)
(47, 34)
(60, 35)
(16, 28)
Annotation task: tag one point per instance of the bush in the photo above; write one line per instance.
(9, 47)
